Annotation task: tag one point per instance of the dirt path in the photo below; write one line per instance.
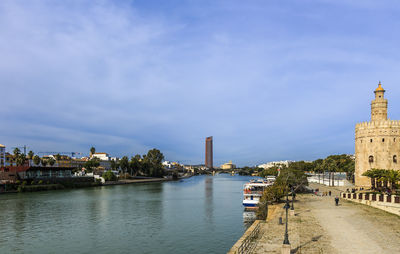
(355, 228)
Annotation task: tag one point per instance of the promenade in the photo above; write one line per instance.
(321, 227)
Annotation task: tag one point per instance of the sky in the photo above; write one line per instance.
(268, 79)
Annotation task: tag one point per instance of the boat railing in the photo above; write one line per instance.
(252, 192)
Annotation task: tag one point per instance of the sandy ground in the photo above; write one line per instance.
(321, 227)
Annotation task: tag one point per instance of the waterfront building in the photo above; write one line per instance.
(228, 166)
(377, 142)
(209, 152)
(2, 155)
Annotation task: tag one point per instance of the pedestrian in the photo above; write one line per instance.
(330, 193)
(337, 200)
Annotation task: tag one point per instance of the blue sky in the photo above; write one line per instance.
(270, 80)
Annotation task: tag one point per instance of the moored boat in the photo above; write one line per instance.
(253, 190)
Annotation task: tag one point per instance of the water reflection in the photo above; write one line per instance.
(208, 201)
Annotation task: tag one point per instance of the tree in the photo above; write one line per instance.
(58, 157)
(30, 155)
(124, 164)
(154, 160)
(44, 162)
(91, 164)
(135, 164)
(114, 165)
(36, 160)
(16, 152)
(92, 151)
(20, 160)
(52, 162)
(109, 176)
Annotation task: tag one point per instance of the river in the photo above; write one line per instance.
(201, 214)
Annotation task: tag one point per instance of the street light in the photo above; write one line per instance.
(287, 206)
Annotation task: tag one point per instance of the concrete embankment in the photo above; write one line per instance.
(140, 180)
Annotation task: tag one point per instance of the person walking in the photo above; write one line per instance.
(330, 192)
(337, 200)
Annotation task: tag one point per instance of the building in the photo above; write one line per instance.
(2, 155)
(101, 156)
(377, 142)
(274, 163)
(228, 166)
(209, 152)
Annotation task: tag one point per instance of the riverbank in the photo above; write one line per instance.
(72, 185)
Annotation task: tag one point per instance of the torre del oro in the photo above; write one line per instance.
(377, 142)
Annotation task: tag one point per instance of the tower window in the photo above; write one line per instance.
(371, 159)
(395, 158)
(383, 140)
(370, 140)
(380, 96)
(394, 140)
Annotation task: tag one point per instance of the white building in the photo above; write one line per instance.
(2, 155)
(274, 163)
(101, 156)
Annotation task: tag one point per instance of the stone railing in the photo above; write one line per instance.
(247, 242)
(388, 203)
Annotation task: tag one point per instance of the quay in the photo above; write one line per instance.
(318, 226)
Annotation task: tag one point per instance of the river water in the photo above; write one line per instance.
(201, 214)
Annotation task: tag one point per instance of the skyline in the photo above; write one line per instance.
(269, 81)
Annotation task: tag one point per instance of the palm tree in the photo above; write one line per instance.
(30, 155)
(92, 151)
(392, 176)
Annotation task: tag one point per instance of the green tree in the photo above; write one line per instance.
(154, 160)
(114, 165)
(36, 160)
(52, 162)
(58, 157)
(109, 176)
(91, 164)
(16, 151)
(135, 164)
(20, 160)
(30, 155)
(92, 150)
(124, 164)
(44, 162)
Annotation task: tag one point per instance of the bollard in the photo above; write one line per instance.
(280, 221)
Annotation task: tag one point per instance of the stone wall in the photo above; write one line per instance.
(377, 145)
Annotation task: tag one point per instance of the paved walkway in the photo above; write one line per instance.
(321, 227)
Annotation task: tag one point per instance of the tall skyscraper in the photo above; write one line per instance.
(209, 152)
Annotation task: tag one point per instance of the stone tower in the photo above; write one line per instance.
(377, 143)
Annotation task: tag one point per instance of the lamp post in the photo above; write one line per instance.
(287, 206)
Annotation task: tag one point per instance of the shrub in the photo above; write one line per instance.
(40, 182)
(109, 176)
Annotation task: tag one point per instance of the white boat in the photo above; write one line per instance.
(253, 190)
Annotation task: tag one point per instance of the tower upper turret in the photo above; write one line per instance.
(379, 105)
